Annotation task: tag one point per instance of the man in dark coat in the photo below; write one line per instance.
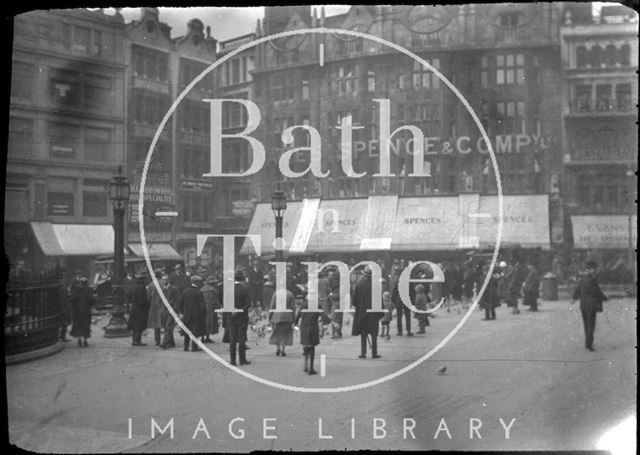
(365, 323)
(139, 302)
(518, 275)
(591, 298)
(401, 308)
(256, 283)
(172, 294)
(453, 279)
(237, 323)
(334, 297)
(489, 300)
(179, 279)
(81, 303)
(192, 307)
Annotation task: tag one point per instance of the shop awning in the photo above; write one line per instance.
(339, 226)
(470, 221)
(525, 221)
(426, 223)
(161, 251)
(604, 231)
(73, 239)
(263, 224)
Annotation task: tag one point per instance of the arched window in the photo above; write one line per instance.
(596, 56)
(611, 55)
(581, 57)
(624, 55)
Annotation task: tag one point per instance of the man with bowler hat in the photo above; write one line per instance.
(365, 323)
(192, 307)
(139, 300)
(591, 298)
(238, 322)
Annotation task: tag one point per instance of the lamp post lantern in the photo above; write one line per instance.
(119, 192)
(279, 206)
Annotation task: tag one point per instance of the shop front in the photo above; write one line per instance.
(611, 241)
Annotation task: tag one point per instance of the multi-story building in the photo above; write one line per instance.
(504, 59)
(66, 134)
(600, 145)
(234, 202)
(159, 69)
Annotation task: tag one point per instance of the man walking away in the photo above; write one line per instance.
(591, 298)
(238, 322)
(365, 323)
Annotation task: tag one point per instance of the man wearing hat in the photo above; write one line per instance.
(210, 292)
(139, 301)
(591, 298)
(155, 306)
(172, 294)
(365, 323)
(192, 307)
(237, 323)
(179, 278)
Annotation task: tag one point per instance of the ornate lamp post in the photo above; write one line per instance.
(279, 206)
(119, 192)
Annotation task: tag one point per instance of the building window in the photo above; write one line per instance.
(582, 57)
(347, 79)
(21, 80)
(624, 56)
(597, 56)
(94, 198)
(150, 64)
(64, 88)
(60, 203)
(623, 97)
(97, 144)
(603, 98)
(350, 46)
(423, 77)
(197, 207)
(305, 89)
(510, 118)
(195, 163)
(97, 42)
(189, 70)
(484, 71)
(283, 87)
(63, 140)
(510, 69)
(99, 92)
(583, 98)
(21, 137)
(194, 117)
(149, 109)
(371, 81)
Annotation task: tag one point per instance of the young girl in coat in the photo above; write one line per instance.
(309, 335)
(387, 304)
(421, 304)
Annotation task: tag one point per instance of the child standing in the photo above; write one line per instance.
(309, 335)
(388, 305)
(421, 304)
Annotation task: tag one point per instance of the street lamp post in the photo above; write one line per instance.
(630, 252)
(279, 206)
(119, 192)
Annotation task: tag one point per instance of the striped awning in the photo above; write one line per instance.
(73, 239)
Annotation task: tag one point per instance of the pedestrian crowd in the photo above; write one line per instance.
(195, 299)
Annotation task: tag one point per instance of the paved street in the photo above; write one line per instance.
(530, 367)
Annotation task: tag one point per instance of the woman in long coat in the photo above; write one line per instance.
(282, 322)
(155, 306)
(210, 293)
(309, 335)
(81, 303)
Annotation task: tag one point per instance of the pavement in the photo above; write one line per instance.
(531, 367)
